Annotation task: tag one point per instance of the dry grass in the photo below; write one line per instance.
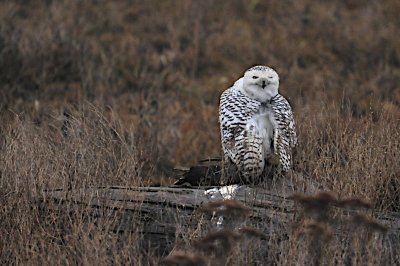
(324, 231)
(117, 93)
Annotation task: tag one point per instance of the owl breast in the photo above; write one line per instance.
(265, 124)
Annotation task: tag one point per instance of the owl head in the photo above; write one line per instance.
(260, 83)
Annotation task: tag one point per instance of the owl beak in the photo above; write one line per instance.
(264, 84)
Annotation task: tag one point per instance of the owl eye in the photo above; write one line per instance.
(255, 77)
(270, 77)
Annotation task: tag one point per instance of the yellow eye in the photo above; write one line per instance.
(255, 77)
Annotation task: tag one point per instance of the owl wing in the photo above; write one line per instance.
(235, 111)
(285, 138)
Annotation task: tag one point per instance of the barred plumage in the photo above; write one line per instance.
(256, 122)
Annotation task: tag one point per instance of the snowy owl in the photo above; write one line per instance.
(257, 125)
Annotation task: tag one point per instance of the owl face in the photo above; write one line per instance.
(260, 83)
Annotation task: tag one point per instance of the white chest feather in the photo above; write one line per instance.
(265, 124)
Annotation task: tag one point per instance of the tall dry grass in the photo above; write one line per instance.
(118, 93)
(81, 151)
(325, 231)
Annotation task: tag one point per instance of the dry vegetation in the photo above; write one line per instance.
(117, 92)
(321, 234)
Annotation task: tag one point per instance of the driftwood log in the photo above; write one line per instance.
(155, 212)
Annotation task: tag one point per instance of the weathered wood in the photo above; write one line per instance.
(155, 212)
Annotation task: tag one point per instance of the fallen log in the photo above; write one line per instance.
(159, 213)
